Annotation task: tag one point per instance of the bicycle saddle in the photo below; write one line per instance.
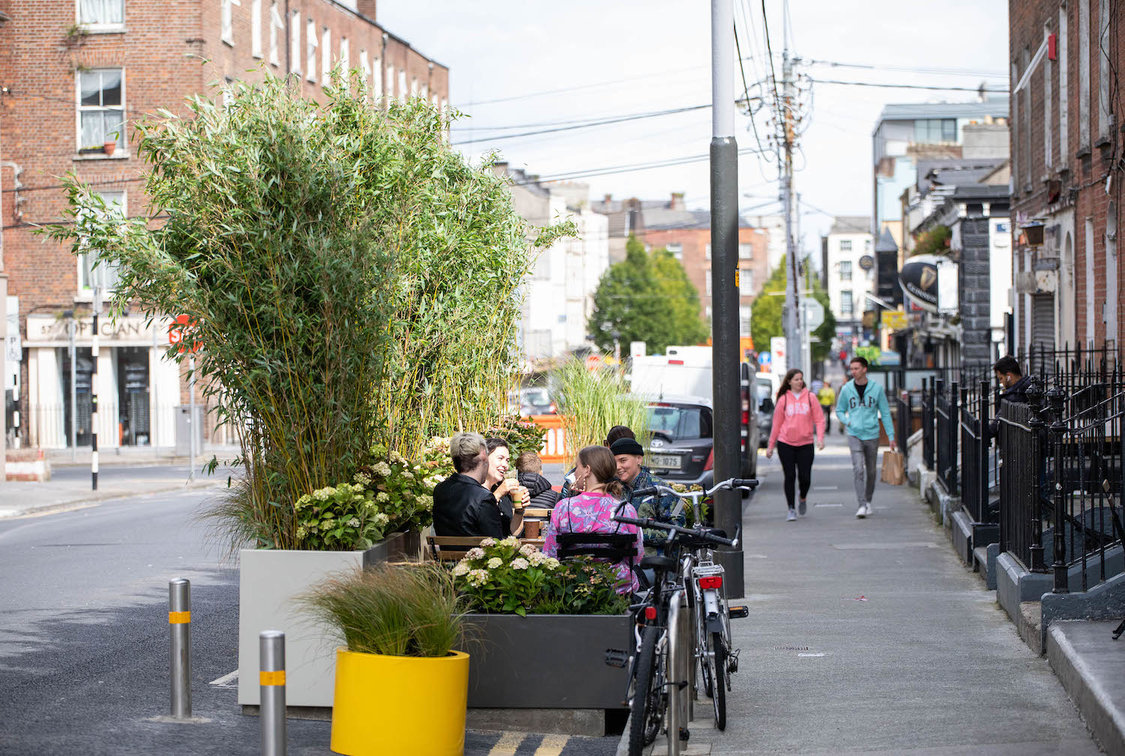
(658, 563)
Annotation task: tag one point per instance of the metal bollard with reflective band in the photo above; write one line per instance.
(179, 622)
(271, 653)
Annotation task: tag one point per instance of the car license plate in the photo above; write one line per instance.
(666, 461)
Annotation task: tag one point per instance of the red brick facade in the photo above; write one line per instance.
(165, 50)
(1066, 170)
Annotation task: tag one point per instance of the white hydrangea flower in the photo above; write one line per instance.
(382, 498)
(519, 563)
(383, 469)
(460, 569)
(488, 542)
(552, 563)
(474, 553)
(527, 550)
(537, 558)
(353, 523)
(510, 541)
(381, 519)
(478, 577)
(495, 562)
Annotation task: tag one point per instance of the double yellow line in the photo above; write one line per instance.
(509, 742)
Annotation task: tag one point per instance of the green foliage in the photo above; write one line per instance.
(521, 435)
(339, 518)
(766, 313)
(933, 242)
(402, 489)
(590, 402)
(394, 610)
(646, 298)
(504, 577)
(349, 276)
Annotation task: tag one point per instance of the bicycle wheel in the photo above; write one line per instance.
(648, 693)
(717, 661)
(699, 646)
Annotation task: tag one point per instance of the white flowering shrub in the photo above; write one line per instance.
(339, 518)
(507, 577)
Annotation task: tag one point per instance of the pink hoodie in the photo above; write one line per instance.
(794, 419)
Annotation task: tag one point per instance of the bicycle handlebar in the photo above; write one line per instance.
(648, 522)
(747, 483)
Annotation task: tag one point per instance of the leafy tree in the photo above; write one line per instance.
(933, 242)
(765, 313)
(646, 298)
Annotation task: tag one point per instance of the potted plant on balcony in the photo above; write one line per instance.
(400, 685)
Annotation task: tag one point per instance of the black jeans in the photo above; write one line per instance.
(796, 462)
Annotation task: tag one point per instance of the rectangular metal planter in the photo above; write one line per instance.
(546, 661)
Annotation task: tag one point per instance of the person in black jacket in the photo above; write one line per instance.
(1011, 379)
(462, 505)
(530, 469)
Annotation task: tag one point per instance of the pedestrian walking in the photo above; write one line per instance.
(827, 397)
(797, 418)
(859, 407)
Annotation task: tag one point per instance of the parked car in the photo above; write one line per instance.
(681, 444)
(765, 388)
(534, 400)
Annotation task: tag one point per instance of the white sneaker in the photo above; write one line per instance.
(870, 509)
(791, 516)
(861, 512)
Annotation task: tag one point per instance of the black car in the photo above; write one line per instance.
(681, 448)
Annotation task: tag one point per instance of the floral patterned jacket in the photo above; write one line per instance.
(593, 513)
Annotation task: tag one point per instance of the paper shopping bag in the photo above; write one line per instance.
(894, 469)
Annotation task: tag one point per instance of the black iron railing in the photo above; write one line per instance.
(975, 443)
(1021, 435)
(929, 441)
(947, 421)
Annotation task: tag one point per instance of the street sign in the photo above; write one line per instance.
(894, 320)
(814, 313)
(176, 332)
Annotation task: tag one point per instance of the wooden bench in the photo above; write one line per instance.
(450, 548)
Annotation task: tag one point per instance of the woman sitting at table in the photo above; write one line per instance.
(591, 510)
(511, 497)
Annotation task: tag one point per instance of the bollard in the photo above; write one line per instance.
(687, 644)
(677, 690)
(179, 620)
(271, 654)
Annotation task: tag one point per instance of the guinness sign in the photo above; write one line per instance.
(919, 279)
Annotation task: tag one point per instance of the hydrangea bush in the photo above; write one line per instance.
(339, 518)
(505, 577)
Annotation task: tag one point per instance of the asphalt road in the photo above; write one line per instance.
(84, 640)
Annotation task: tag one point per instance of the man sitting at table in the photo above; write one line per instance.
(462, 505)
(631, 471)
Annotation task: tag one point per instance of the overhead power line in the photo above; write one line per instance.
(591, 124)
(985, 90)
(630, 168)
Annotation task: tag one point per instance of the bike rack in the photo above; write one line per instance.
(679, 671)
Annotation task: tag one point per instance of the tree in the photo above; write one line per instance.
(646, 298)
(765, 313)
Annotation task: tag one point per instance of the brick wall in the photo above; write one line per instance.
(163, 49)
(1084, 173)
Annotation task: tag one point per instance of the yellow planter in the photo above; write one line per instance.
(400, 704)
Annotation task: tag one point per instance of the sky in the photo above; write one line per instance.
(519, 66)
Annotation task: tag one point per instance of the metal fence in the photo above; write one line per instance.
(975, 458)
(1021, 437)
(947, 422)
(929, 431)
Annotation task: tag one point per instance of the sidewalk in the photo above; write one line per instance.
(870, 636)
(118, 477)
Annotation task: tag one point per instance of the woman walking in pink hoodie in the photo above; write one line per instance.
(797, 416)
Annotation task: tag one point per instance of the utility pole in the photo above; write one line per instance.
(793, 320)
(724, 288)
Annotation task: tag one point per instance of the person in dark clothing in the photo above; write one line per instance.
(530, 469)
(462, 505)
(1013, 382)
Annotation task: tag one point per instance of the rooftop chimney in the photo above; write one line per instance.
(677, 202)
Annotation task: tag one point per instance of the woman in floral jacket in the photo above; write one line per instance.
(592, 509)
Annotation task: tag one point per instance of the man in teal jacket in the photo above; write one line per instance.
(859, 407)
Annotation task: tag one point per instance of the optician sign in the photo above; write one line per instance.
(131, 330)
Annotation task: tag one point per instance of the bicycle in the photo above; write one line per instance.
(648, 699)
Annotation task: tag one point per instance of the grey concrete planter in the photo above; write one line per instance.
(546, 661)
(268, 582)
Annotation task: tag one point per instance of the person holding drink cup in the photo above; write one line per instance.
(511, 497)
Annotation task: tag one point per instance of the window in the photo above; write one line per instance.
(101, 107)
(866, 245)
(311, 44)
(707, 252)
(101, 12)
(365, 67)
(745, 282)
(256, 28)
(325, 55)
(345, 55)
(227, 22)
(104, 275)
(707, 283)
(295, 42)
(845, 245)
(277, 23)
(847, 307)
(677, 250)
(845, 270)
(390, 89)
(744, 320)
(402, 93)
(935, 130)
(745, 251)
(376, 78)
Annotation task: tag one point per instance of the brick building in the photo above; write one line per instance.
(77, 74)
(687, 235)
(1066, 171)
